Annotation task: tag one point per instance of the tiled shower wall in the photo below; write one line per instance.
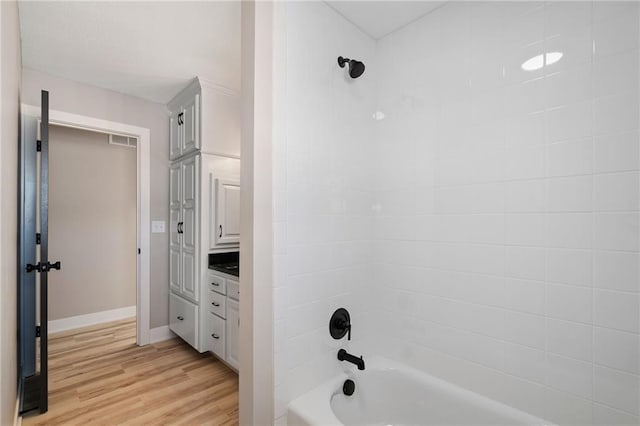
(323, 225)
(507, 225)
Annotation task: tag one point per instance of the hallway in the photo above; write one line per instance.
(99, 376)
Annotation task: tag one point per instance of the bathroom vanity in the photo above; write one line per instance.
(223, 307)
(204, 218)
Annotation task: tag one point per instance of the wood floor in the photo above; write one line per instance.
(98, 376)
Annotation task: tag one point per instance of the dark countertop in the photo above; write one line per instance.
(234, 272)
(227, 263)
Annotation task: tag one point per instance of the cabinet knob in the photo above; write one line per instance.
(215, 336)
(181, 318)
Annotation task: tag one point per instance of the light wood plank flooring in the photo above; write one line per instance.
(97, 375)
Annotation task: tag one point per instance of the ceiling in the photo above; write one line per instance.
(379, 18)
(146, 49)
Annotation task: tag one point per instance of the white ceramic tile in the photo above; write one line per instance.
(568, 302)
(566, 409)
(615, 35)
(604, 10)
(569, 86)
(569, 375)
(525, 196)
(569, 230)
(462, 221)
(616, 192)
(616, 349)
(616, 389)
(616, 152)
(570, 158)
(576, 47)
(525, 97)
(525, 130)
(615, 74)
(525, 229)
(487, 259)
(525, 162)
(525, 362)
(525, 296)
(566, 18)
(615, 270)
(488, 228)
(569, 266)
(603, 415)
(569, 339)
(614, 114)
(616, 231)
(488, 198)
(515, 71)
(526, 262)
(569, 122)
(616, 310)
(525, 29)
(525, 329)
(570, 194)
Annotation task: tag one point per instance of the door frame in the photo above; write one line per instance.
(143, 210)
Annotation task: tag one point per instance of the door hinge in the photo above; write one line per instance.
(38, 331)
(39, 146)
(38, 238)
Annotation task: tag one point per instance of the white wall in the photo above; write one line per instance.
(507, 242)
(92, 223)
(321, 192)
(79, 98)
(504, 250)
(11, 64)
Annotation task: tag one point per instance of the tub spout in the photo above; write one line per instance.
(345, 356)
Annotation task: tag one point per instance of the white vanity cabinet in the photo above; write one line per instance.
(233, 332)
(190, 209)
(226, 229)
(205, 118)
(184, 137)
(204, 148)
(224, 317)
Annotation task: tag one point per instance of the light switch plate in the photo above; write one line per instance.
(157, 226)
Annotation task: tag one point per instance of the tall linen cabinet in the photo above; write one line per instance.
(204, 151)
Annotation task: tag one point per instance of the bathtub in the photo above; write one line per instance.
(389, 393)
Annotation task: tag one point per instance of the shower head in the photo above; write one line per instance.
(356, 68)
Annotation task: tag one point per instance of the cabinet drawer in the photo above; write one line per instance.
(216, 336)
(233, 289)
(217, 304)
(183, 319)
(217, 283)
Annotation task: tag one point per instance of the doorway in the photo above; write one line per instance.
(92, 227)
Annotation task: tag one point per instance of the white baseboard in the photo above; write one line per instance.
(160, 334)
(71, 323)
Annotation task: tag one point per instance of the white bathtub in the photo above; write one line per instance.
(389, 393)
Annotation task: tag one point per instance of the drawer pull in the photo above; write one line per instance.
(215, 336)
(216, 284)
(215, 304)
(181, 318)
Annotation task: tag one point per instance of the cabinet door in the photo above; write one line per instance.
(175, 135)
(227, 229)
(183, 319)
(233, 333)
(190, 228)
(175, 218)
(191, 124)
